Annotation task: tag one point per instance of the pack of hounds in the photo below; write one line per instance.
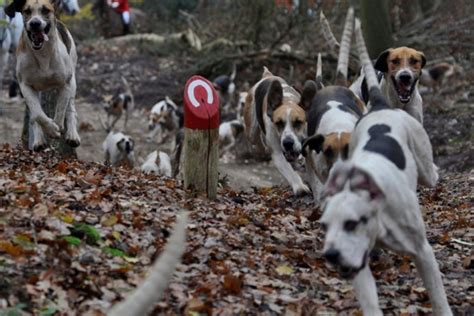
(363, 145)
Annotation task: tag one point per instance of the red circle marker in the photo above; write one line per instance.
(201, 104)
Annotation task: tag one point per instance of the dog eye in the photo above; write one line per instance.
(280, 125)
(45, 11)
(297, 124)
(413, 61)
(364, 220)
(350, 225)
(27, 11)
(396, 61)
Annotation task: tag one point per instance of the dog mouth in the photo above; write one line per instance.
(349, 273)
(291, 156)
(404, 90)
(37, 38)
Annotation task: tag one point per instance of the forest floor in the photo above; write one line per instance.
(75, 236)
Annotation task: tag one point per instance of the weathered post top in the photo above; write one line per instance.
(201, 104)
(201, 137)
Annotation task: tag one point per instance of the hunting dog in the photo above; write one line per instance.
(275, 118)
(228, 134)
(117, 105)
(225, 86)
(164, 118)
(332, 116)
(119, 149)
(46, 59)
(157, 162)
(436, 75)
(401, 70)
(371, 198)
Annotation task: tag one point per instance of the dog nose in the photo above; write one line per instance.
(35, 24)
(288, 144)
(405, 78)
(332, 255)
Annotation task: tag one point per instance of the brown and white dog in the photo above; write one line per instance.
(228, 133)
(332, 116)
(46, 59)
(435, 75)
(119, 150)
(401, 68)
(164, 118)
(274, 118)
(119, 104)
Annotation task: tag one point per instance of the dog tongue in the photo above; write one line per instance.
(45, 36)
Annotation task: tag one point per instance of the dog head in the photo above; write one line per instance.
(402, 66)
(351, 201)
(287, 115)
(162, 114)
(126, 144)
(38, 17)
(241, 103)
(333, 146)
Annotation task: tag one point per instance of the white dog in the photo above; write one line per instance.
(371, 198)
(46, 59)
(119, 149)
(158, 163)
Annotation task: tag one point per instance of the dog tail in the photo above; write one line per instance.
(344, 50)
(327, 33)
(319, 72)
(142, 301)
(376, 98)
(128, 91)
(234, 72)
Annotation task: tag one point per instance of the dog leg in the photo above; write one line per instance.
(420, 146)
(65, 97)
(36, 112)
(316, 184)
(72, 136)
(126, 121)
(428, 268)
(366, 292)
(39, 140)
(297, 185)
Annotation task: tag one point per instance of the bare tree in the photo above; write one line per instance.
(377, 27)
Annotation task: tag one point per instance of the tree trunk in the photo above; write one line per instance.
(376, 27)
(48, 103)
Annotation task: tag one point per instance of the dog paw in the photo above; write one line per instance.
(73, 139)
(49, 127)
(39, 144)
(301, 190)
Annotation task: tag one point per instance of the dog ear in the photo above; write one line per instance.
(266, 73)
(360, 180)
(274, 97)
(382, 64)
(314, 142)
(309, 91)
(337, 178)
(120, 144)
(15, 6)
(423, 59)
(56, 4)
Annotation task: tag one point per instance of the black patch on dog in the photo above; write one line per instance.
(385, 145)
(260, 93)
(63, 34)
(314, 142)
(319, 105)
(238, 128)
(222, 83)
(15, 6)
(437, 72)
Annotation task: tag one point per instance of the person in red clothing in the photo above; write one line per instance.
(122, 8)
